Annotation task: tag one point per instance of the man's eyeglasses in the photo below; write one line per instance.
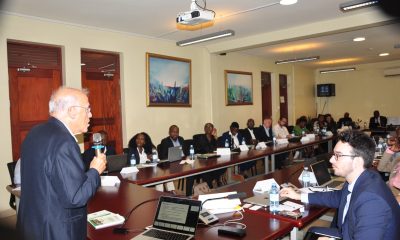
(87, 109)
(339, 155)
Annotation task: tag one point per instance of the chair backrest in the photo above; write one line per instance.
(196, 138)
(11, 169)
(186, 146)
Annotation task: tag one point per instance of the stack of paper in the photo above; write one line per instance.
(104, 218)
(109, 181)
(218, 206)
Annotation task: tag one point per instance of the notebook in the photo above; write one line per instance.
(174, 154)
(116, 162)
(323, 176)
(176, 218)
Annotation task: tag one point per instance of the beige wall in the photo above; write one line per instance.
(362, 91)
(208, 91)
(300, 90)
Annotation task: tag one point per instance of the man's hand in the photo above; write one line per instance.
(289, 193)
(99, 163)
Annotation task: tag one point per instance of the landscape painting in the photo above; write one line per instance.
(168, 81)
(239, 87)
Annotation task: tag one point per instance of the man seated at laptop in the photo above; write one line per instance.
(140, 150)
(264, 131)
(173, 140)
(89, 153)
(249, 133)
(366, 207)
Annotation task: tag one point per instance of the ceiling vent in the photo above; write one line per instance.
(391, 72)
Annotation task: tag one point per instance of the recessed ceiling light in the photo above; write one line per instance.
(287, 2)
(359, 39)
(383, 54)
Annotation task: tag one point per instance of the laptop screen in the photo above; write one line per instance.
(321, 172)
(174, 153)
(177, 214)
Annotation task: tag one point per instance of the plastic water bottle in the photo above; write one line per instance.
(133, 160)
(274, 199)
(243, 141)
(306, 177)
(154, 155)
(303, 133)
(293, 134)
(226, 143)
(191, 152)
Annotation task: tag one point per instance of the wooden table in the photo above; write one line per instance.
(122, 199)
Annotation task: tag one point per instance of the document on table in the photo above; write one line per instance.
(220, 205)
(127, 170)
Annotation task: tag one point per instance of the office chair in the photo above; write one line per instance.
(11, 168)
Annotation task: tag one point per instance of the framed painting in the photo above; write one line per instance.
(168, 81)
(238, 88)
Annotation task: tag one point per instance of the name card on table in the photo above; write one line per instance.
(223, 151)
(243, 148)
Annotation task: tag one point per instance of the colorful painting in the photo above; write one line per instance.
(168, 81)
(239, 88)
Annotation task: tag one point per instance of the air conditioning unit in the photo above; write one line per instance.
(391, 72)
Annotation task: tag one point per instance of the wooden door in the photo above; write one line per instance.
(266, 94)
(101, 76)
(283, 100)
(34, 73)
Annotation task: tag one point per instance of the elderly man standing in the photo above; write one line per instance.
(366, 207)
(55, 186)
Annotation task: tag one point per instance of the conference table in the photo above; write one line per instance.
(123, 198)
(151, 176)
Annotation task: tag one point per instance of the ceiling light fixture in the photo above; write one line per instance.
(358, 39)
(356, 4)
(337, 70)
(297, 60)
(207, 37)
(287, 2)
(383, 54)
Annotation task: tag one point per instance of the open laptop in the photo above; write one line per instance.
(176, 218)
(116, 162)
(261, 200)
(174, 154)
(323, 176)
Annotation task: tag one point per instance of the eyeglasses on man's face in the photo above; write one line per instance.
(87, 109)
(339, 155)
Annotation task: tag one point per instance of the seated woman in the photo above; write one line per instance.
(300, 130)
(330, 123)
(140, 150)
(388, 160)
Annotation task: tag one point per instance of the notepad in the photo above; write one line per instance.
(104, 218)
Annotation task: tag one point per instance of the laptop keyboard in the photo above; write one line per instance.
(334, 184)
(165, 235)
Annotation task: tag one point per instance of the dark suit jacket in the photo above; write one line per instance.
(247, 135)
(167, 143)
(226, 136)
(382, 120)
(373, 212)
(56, 186)
(202, 145)
(261, 135)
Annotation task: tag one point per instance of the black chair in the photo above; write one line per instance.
(186, 146)
(11, 169)
(290, 128)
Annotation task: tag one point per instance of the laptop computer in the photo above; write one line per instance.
(323, 176)
(174, 154)
(176, 218)
(116, 162)
(261, 200)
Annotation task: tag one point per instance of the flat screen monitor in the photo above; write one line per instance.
(325, 90)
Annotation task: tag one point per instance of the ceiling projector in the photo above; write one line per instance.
(195, 16)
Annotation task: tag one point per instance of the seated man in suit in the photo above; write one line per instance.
(345, 121)
(89, 153)
(264, 132)
(173, 140)
(232, 137)
(366, 207)
(377, 121)
(249, 133)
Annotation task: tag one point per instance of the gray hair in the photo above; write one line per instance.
(60, 104)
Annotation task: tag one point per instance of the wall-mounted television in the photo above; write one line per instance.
(326, 90)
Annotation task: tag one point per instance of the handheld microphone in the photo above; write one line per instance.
(97, 143)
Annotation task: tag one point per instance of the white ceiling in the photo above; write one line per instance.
(156, 19)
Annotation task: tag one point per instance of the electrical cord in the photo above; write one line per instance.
(205, 7)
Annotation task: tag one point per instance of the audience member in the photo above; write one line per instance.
(359, 216)
(232, 137)
(173, 140)
(264, 132)
(89, 153)
(320, 123)
(330, 123)
(249, 133)
(377, 121)
(207, 142)
(345, 121)
(389, 160)
(280, 130)
(300, 129)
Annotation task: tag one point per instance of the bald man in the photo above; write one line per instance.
(55, 186)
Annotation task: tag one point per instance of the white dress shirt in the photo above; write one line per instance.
(142, 156)
(280, 132)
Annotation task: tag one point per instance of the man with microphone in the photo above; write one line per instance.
(54, 186)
